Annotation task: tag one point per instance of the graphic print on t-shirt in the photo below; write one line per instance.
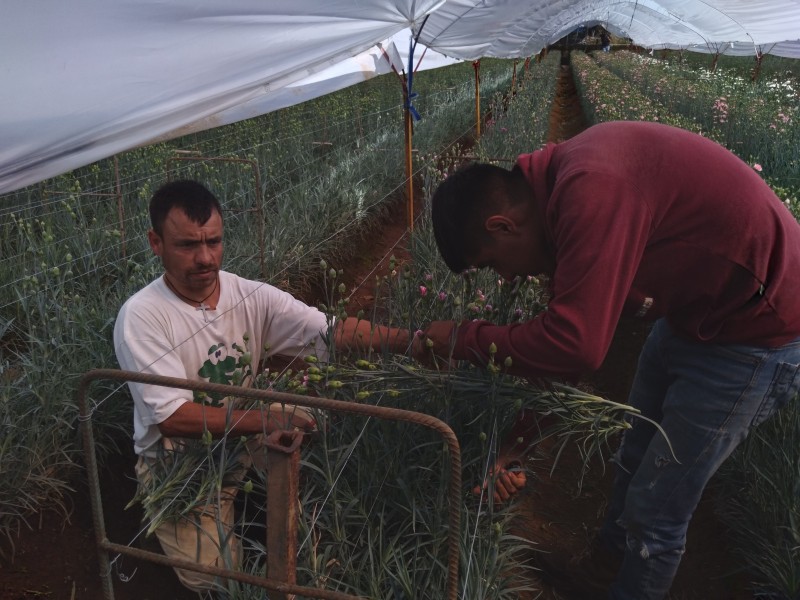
(223, 367)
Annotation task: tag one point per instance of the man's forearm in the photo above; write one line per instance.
(358, 334)
(191, 420)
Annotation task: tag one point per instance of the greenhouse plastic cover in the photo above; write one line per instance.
(86, 79)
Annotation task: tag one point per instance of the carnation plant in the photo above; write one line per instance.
(374, 494)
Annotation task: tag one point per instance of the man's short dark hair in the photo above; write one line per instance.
(462, 203)
(192, 197)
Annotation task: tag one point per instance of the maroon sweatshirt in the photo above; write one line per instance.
(650, 221)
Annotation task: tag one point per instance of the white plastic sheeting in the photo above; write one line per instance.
(471, 29)
(388, 56)
(85, 79)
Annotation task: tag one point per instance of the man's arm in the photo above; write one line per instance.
(191, 420)
(358, 334)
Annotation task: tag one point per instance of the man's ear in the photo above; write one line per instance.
(155, 242)
(500, 224)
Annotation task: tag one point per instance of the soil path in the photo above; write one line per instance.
(55, 559)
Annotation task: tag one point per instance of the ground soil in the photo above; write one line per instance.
(56, 558)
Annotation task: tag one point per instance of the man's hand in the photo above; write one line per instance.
(507, 482)
(299, 420)
(433, 347)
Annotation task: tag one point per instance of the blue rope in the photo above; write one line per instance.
(410, 95)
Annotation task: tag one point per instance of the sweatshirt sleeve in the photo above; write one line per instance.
(599, 227)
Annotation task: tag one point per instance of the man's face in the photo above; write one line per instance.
(513, 249)
(506, 259)
(190, 252)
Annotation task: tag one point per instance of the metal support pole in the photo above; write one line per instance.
(514, 78)
(477, 66)
(409, 140)
(757, 69)
(283, 489)
(120, 207)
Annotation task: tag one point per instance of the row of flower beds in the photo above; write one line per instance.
(757, 120)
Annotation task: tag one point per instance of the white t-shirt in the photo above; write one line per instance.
(157, 333)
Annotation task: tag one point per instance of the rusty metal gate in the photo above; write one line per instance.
(283, 456)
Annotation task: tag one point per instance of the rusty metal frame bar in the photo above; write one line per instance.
(259, 207)
(105, 546)
(283, 506)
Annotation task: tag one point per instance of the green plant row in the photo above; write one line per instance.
(606, 97)
(759, 121)
(771, 67)
(521, 125)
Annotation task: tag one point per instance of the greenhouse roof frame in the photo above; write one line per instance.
(87, 79)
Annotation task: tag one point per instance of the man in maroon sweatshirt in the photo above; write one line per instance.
(649, 221)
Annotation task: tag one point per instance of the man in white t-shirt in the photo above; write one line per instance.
(200, 323)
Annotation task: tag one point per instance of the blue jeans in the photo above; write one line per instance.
(706, 398)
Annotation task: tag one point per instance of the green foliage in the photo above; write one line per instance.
(606, 97)
(520, 124)
(757, 120)
(760, 488)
